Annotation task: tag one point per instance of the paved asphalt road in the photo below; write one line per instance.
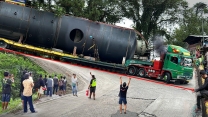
(145, 99)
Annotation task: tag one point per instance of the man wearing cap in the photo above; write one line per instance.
(122, 94)
(203, 89)
(6, 90)
(74, 84)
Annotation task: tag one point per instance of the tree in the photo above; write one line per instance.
(191, 24)
(103, 11)
(152, 17)
(72, 7)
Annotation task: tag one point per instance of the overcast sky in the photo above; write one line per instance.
(128, 23)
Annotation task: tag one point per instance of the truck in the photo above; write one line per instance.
(85, 42)
(175, 64)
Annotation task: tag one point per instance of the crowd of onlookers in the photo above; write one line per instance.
(49, 86)
(43, 86)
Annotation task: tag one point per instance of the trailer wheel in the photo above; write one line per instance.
(141, 72)
(167, 77)
(132, 70)
(3, 44)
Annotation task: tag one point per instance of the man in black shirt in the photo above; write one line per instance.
(203, 89)
(40, 89)
(122, 94)
(6, 90)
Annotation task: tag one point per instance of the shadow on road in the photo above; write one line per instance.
(128, 114)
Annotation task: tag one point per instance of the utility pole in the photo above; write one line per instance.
(203, 27)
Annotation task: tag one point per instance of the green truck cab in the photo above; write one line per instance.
(175, 64)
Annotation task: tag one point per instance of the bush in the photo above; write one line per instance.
(16, 64)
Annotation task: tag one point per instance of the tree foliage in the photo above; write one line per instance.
(192, 23)
(72, 7)
(103, 11)
(152, 17)
(97, 10)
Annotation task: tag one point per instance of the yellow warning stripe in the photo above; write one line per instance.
(13, 2)
(36, 48)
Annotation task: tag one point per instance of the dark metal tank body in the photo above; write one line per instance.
(44, 29)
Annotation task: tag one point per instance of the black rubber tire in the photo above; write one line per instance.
(168, 77)
(132, 70)
(3, 44)
(141, 72)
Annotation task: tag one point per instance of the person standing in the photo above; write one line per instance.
(30, 77)
(55, 87)
(74, 85)
(6, 90)
(122, 94)
(40, 89)
(22, 88)
(45, 81)
(92, 86)
(49, 86)
(64, 85)
(203, 89)
(27, 93)
(60, 86)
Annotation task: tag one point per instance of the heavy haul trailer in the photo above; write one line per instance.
(109, 44)
(44, 29)
(175, 64)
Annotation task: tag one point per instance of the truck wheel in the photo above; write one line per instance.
(141, 72)
(132, 70)
(167, 77)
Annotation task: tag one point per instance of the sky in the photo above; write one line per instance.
(128, 23)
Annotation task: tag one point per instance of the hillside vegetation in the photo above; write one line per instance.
(15, 64)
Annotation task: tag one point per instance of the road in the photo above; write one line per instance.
(145, 98)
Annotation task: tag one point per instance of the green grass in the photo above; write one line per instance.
(16, 105)
(15, 64)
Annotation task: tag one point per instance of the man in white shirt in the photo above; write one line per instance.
(30, 77)
(74, 84)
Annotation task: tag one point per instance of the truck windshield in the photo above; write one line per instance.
(186, 62)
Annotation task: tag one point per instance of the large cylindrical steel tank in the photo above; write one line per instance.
(44, 29)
